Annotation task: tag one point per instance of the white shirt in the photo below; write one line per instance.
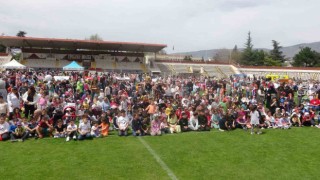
(13, 101)
(254, 117)
(107, 91)
(4, 127)
(72, 127)
(122, 122)
(194, 123)
(185, 102)
(84, 127)
(95, 131)
(3, 107)
(35, 98)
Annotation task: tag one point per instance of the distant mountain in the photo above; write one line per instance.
(288, 51)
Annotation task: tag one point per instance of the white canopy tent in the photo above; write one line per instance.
(13, 65)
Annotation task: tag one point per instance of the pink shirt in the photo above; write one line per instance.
(42, 101)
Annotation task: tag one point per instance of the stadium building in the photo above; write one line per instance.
(93, 55)
(51, 53)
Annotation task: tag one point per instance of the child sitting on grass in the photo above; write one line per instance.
(84, 129)
(60, 130)
(72, 130)
(95, 130)
(19, 134)
(104, 127)
(123, 123)
(31, 127)
(155, 126)
(284, 122)
(44, 127)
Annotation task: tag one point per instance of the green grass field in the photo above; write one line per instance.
(276, 154)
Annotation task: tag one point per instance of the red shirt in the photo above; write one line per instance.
(43, 124)
(315, 102)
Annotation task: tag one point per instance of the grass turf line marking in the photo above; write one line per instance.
(158, 159)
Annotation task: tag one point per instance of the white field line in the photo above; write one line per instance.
(158, 159)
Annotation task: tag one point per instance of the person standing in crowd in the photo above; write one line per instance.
(24, 88)
(255, 120)
(4, 108)
(3, 90)
(13, 99)
(151, 109)
(30, 99)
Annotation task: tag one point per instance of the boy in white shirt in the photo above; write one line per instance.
(193, 122)
(84, 129)
(72, 131)
(123, 123)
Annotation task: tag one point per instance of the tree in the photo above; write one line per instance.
(16, 56)
(306, 58)
(95, 37)
(2, 48)
(248, 57)
(268, 61)
(163, 52)
(21, 34)
(235, 54)
(276, 53)
(187, 58)
(258, 57)
(222, 55)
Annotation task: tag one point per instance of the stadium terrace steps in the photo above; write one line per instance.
(128, 66)
(164, 68)
(114, 65)
(93, 65)
(57, 64)
(24, 61)
(104, 64)
(144, 68)
(40, 63)
(63, 63)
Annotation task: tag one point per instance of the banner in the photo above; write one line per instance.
(60, 78)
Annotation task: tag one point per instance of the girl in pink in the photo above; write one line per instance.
(155, 127)
(42, 101)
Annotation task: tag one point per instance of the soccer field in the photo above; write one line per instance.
(276, 154)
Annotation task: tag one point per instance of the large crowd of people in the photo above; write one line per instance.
(83, 105)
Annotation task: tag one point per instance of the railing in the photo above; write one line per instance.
(191, 62)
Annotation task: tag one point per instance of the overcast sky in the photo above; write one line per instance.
(188, 25)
